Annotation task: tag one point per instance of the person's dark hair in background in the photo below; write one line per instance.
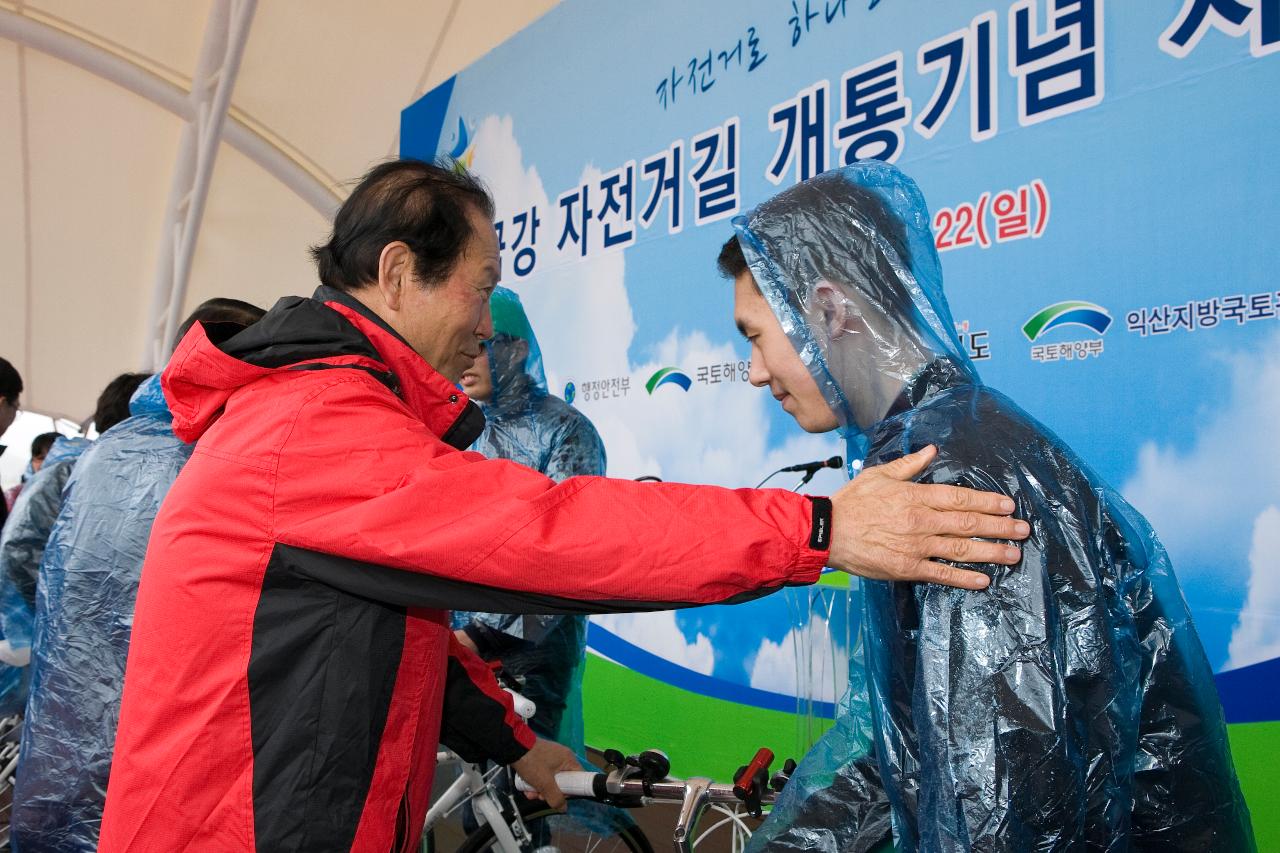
(113, 402)
(10, 382)
(219, 310)
(421, 204)
(10, 392)
(40, 448)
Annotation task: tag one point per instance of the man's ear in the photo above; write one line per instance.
(834, 307)
(395, 269)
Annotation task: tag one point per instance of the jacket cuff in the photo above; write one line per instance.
(808, 566)
(522, 741)
(820, 524)
(813, 555)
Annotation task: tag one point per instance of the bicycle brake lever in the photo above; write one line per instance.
(750, 782)
(783, 776)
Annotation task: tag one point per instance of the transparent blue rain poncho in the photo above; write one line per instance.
(525, 424)
(1070, 705)
(84, 613)
(22, 547)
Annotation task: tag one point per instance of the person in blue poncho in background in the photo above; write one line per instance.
(26, 533)
(526, 424)
(22, 547)
(1069, 705)
(84, 612)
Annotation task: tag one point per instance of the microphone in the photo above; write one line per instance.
(814, 467)
(809, 469)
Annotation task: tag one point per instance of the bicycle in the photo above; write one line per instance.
(509, 822)
(642, 780)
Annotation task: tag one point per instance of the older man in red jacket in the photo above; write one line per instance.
(291, 669)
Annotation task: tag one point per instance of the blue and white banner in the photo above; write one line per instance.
(1105, 198)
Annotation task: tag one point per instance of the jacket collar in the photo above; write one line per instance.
(436, 401)
(329, 331)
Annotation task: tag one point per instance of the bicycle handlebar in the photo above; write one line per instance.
(589, 785)
(574, 783)
(631, 784)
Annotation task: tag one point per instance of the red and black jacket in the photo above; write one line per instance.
(291, 670)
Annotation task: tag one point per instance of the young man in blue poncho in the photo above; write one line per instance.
(1068, 706)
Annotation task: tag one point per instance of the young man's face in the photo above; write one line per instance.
(774, 361)
(477, 380)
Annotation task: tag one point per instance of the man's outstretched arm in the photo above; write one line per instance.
(463, 532)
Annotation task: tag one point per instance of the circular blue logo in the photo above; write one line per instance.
(570, 391)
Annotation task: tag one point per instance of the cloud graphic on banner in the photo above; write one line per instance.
(582, 314)
(1257, 633)
(808, 662)
(564, 290)
(1225, 479)
(659, 634)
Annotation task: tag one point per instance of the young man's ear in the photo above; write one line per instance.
(834, 307)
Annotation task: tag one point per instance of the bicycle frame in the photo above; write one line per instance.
(472, 785)
(695, 796)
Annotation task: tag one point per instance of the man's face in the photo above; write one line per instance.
(477, 380)
(37, 462)
(8, 412)
(774, 361)
(447, 324)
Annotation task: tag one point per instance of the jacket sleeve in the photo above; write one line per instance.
(576, 451)
(383, 508)
(479, 721)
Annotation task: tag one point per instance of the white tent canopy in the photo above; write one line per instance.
(103, 171)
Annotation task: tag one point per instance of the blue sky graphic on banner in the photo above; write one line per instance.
(1100, 204)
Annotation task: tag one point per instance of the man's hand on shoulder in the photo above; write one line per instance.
(886, 527)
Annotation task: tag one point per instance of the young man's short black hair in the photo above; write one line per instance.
(10, 383)
(113, 402)
(731, 263)
(424, 205)
(219, 310)
(41, 443)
